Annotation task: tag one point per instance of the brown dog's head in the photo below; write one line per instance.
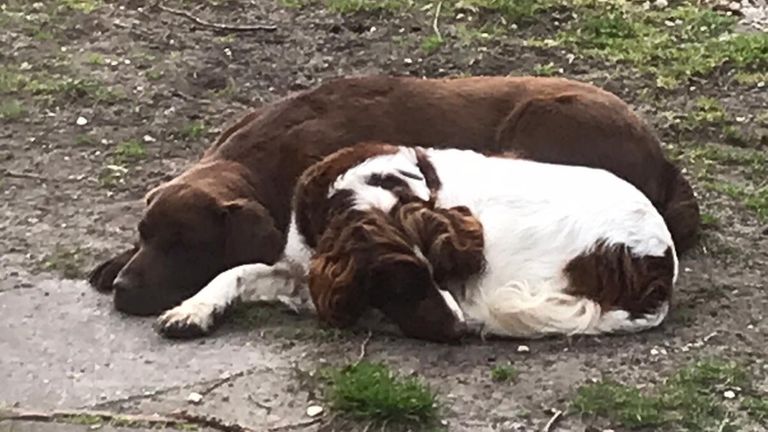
(187, 235)
(368, 259)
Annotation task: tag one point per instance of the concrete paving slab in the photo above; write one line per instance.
(64, 347)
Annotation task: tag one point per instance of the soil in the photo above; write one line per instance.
(71, 195)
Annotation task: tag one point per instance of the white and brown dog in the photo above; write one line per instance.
(443, 241)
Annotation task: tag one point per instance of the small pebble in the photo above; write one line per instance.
(194, 398)
(314, 410)
(81, 121)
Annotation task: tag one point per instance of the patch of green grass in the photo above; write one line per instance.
(431, 43)
(715, 166)
(95, 58)
(66, 261)
(673, 44)
(251, 315)
(751, 78)
(516, 11)
(352, 6)
(735, 136)
(85, 6)
(705, 160)
(548, 69)
(112, 175)
(371, 392)
(129, 151)
(753, 198)
(192, 130)
(709, 219)
(11, 110)
(11, 80)
(96, 421)
(504, 373)
(707, 110)
(84, 419)
(153, 74)
(467, 34)
(83, 140)
(757, 408)
(690, 400)
(50, 87)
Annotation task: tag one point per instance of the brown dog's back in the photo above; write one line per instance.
(544, 119)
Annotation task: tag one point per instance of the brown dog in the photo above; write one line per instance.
(233, 206)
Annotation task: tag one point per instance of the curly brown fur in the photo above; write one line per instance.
(394, 262)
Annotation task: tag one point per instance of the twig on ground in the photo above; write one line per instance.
(14, 174)
(363, 347)
(220, 382)
(723, 424)
(553, 421)
(216, 26)
(296, 425)
(63, 416)
(179, 418)
(211, 422)
(260, 404)
(437, 17)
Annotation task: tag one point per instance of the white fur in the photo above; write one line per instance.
(536, 217)
(367, 196)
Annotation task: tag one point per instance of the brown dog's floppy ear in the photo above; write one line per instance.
(104, 274)
(250, 234)
(152, 194)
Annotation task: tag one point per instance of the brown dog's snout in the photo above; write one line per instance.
(124, 283)
(128, 296)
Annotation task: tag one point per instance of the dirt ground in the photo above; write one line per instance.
(101, 101)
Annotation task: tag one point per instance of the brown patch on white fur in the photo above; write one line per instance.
(616, 279)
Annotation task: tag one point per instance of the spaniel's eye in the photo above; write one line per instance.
(411, 175)
(386, 181)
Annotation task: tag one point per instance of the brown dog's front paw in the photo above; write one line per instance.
(186, 321)
(104, 274)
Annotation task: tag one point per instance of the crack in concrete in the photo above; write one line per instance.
(211, 385)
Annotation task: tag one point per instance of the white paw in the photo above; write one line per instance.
(187, 320)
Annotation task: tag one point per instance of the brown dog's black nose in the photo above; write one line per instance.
(123, 284)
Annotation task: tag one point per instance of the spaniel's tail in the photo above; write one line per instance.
(519, 310)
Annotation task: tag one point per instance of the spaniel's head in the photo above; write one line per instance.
(368, 212)
(364, 260)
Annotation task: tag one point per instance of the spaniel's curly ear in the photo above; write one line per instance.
(451, 239)
(335, 277)
(356, 250)
(335, 287)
